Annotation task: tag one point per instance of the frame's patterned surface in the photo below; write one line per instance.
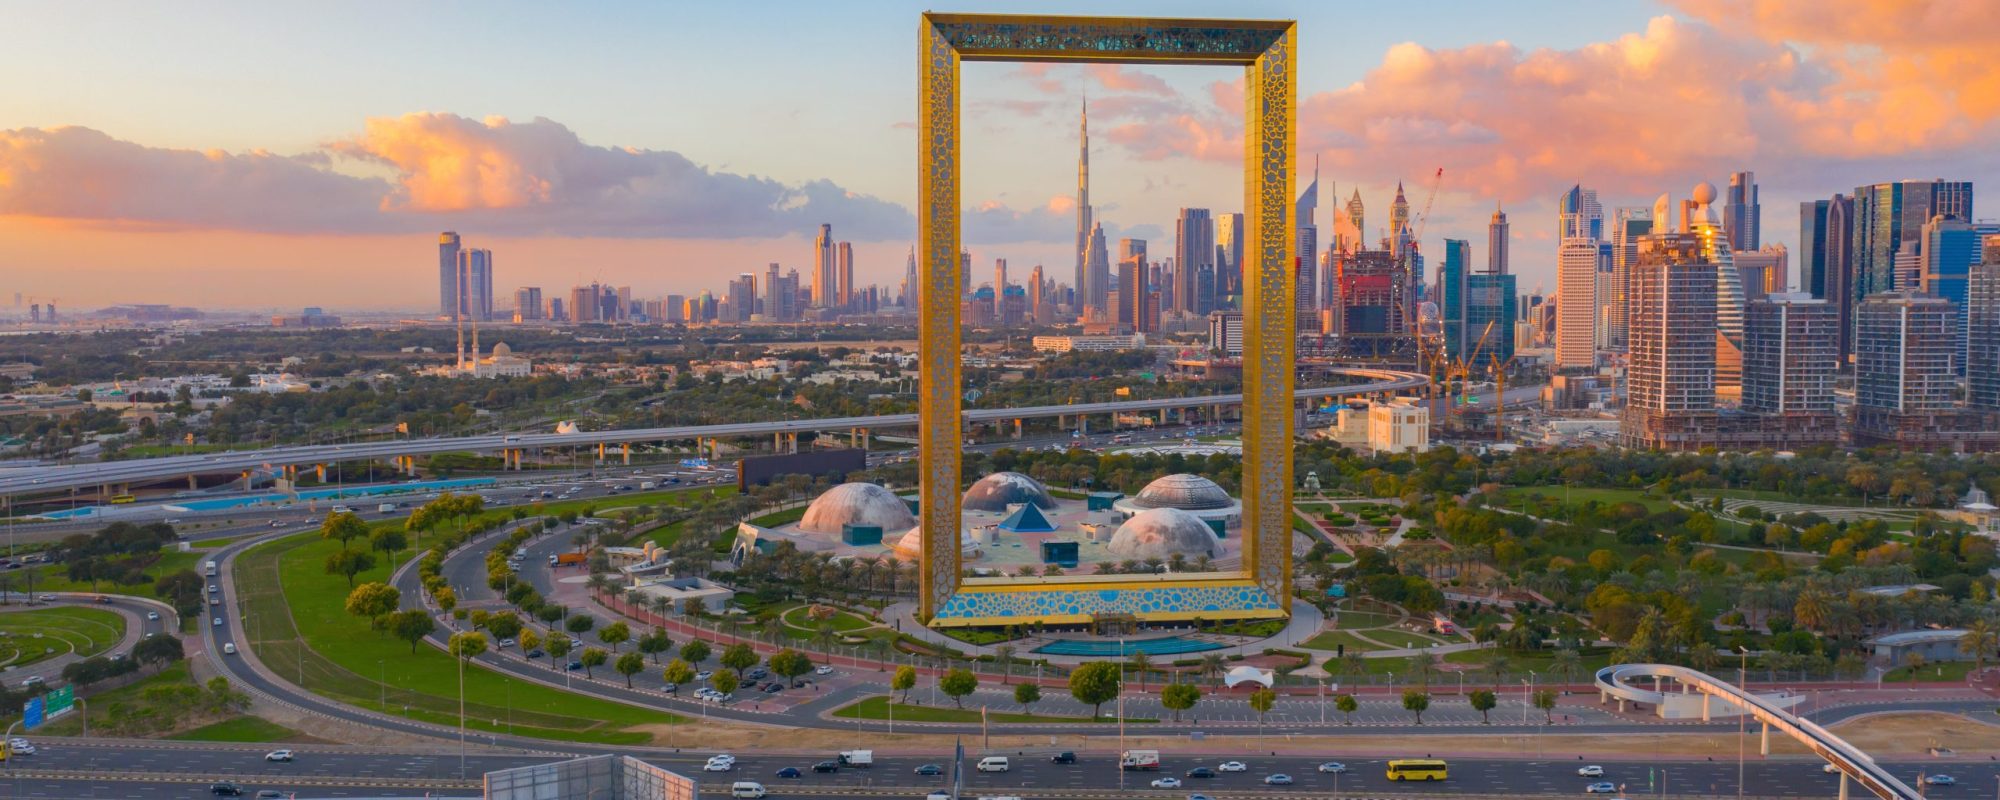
(1266, 50)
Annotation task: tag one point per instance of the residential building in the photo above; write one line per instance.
(476, 284)
(1789, 360)
(1670, 383)
(1628, 224)
(843, 259)
(1576, 315)
(1905, 343)
(1982, 362)
(1763, 271)
(1399, 426)
(1225, 333)
(742, 298)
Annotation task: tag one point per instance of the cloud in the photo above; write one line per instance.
(1120, 78)
(533, 178)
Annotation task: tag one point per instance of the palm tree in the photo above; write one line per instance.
(1005, 655)
(1568, 661)
(1213, 665)
(1142, 664)
(1980, 639)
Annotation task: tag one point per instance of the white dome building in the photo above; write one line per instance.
(999, 490)
(910, 547)
(1162, 532)
(1194, 494)
(856, 504)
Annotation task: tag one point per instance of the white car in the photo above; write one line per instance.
(718, 766)
(217, 623)
(278, 755)
(20, 747)
(1603, 787)
(1168, 782)
(1232, 766)
(823, 669)
(1592, 771)
(1829, 768)
(153, 616)
(723, 757)
(1333, 766)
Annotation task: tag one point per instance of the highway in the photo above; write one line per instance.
(86, 476)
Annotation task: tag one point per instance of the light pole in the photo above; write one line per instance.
(1742, 711)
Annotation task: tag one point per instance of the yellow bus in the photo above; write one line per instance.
(121, 499)
(1417, 769)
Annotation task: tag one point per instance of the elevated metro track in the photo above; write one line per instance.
(45, 480)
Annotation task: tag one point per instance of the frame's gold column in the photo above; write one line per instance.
(1269, 317)
(940, 429)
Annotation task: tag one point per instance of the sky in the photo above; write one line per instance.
(271, 156)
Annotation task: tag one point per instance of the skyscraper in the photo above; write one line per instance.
(528, 304)
(476, 283)
(1904, 345)
(825, 291)
(1229, 262)
(1132, 291)
(448, 275)
(1949, 248)
(1729, 294)
(1306, 211)
(1040, 309)
(907, 298)
(1451, 297)
(1812, 247)
(1742, 217)
(1628, 224)
(1887, 215)
(1399, 219)
(1579, 216)
(742, 297)
(1982, 364)
(1766, 270)
(999, 287)
(1496, 242)
(1097, 266)
(1194, 252)
(1788, 355)
(844, 276)
(1576, 312)
(1672, 372)
(1090, 292)
(1839, 269)
(1353, 227)
(1490, 298)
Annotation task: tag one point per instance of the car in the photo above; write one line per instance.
(1333, 767)
(930, 769)
(212, 588)
(537, 653)
(1169, 782)
(270, 794)
(718, 766)
(671, 688)
(700, 676)
(217, 622)
(1232, 766)
(506, 642)
(773, 688)
(823, 669)
(789, 772)
(723, 757)
(229, 648)
(1199, 797)
(225, 789)
(1601, 787)
(215, 601)
(576, 644)
(1201, 772)
(1592, 771)
(1280, 779)
(573, 666)
(20, 747)
(1940, 780)
(939, 795)
(278, 755)
(1064, 757)
(152, 616)
(827, 766)
(47, 598)
(757, 674)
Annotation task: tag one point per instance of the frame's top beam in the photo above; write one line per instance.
(1010, 37)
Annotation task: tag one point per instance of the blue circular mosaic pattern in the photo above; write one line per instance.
(1084, 602)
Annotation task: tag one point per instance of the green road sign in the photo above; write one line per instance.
(59, 702)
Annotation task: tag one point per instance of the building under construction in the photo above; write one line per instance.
(1904, 382)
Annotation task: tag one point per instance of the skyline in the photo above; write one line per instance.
(359, 173)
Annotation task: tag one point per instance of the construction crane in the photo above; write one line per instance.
(1499, 394)
(1462, 367)
(1417, 234)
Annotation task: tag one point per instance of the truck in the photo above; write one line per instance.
(210, 569)
(1139, 760)
(649, 485)
(386, 508)
(860, 759)
(568, 559)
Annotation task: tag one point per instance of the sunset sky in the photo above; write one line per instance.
(274, 155)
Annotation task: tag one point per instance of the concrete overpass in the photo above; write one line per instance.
(1612, 683)
(47, 480)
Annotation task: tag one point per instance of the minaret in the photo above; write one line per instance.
(1087, 292)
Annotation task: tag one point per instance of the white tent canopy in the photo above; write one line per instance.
(1248, 675)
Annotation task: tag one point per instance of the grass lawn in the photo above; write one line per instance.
(1332, 640)
(1949, 671)
(55, 577)
(1517, 497)
(1776, 497)
(878, 708)
(155, 705)
(214, 544)
(241, 729)
(37, 634)
(297, 622)
(1352, 620)
(1543, 662)
(842, 621)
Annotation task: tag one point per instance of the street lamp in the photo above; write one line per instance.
(1742, 711)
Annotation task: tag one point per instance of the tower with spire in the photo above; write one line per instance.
(1496, 242)
(1357, 219)
(1091, 289)
(1399, 214)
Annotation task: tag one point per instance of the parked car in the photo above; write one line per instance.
(823, 669)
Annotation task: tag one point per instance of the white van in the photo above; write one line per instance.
(747, 789)
(993, 764)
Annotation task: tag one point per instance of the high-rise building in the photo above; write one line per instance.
(1490, 300)
(1576, 312)
(1194, 252)
(1579, 216)
(1352, 227)
(1306, 255)
(1729, 294)
(1812, 247)
(1763, 271)
(844, 275)
(742, 298)
(557, 311)
(1373, 308)
(1982, 358)
(1399, 221)
(584, 304)
(676, 308)
(476, 284)
(1904, 345)
(1090, 291)
(1627, 225)
(1451, 297)
(1742, 217)
(448, 305)
(1098, 267)
(1838, 272)
(1225, 333)
(1229, 235)
(907, 297)
(999, 287)
(1671, 380)
(528, 304)
(1949, 248)
(824, 287)
(1496, 242)
(1788, 355)
(1888, 215)
(1132, 290)
(1041, 308)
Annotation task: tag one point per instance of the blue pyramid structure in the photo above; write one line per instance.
(1028, 519)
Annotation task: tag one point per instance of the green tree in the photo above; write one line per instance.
(1096, 683)
(558, 647)
(342, 526)
(504, 625)
(903, 681)
(1027, 694)
(159, 650)
(615, 634)
(373, 600)
(592, 657)
(1483, 701)
(529, 640)
(1913, 661)
(445, 597)
(1545, 699)
(579, 624)
(348, 563)
(724, 682)
(678, 672)
(957, 683)
(411, 626)
(468, 645)
(790, 664)
(388, 541)
(695, 651)
(1261, 702)
(629, 665)
(656, 644)
(739, 657)
(1347, 706)
(1416, 702)
(1980, 639)
(1179, 697)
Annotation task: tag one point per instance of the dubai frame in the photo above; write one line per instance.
(1267, 50)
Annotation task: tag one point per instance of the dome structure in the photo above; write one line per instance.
(1162, 532)
(856, 504)
(910, 547)
(501, 349)
(1183, 491)
(999, 490)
